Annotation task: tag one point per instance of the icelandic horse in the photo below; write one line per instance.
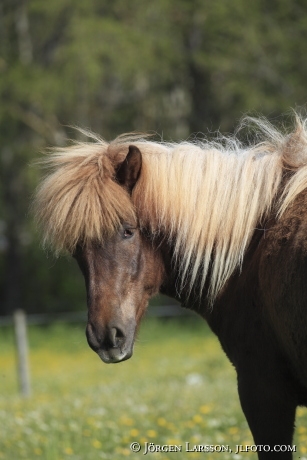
(219, 226)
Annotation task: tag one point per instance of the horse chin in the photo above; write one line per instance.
(114, 355)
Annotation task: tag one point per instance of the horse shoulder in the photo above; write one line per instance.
(283, 283)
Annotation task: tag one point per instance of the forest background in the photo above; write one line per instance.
(174, 67)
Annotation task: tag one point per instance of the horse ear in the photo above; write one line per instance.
(129, 170)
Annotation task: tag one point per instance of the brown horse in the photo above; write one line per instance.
(218, 226)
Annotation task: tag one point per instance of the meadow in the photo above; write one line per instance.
(177, 388)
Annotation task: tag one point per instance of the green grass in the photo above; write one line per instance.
(178, 387)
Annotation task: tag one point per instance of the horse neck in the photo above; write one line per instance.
(208, 205)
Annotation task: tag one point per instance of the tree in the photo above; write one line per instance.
(172, 67)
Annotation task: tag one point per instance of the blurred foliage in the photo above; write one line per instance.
(175, 67)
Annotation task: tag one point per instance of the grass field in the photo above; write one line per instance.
(177, 388)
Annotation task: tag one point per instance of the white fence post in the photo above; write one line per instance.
(20, 327)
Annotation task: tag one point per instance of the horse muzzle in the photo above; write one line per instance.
(113, 343)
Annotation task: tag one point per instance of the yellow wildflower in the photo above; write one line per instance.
(197, 418)
(233, 430)
(126, 421)
(205, 409)
(134, 432)
(97, 444)
(161, 421)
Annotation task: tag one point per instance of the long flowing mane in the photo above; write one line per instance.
(207, 198)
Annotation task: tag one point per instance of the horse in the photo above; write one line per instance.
(220, 226)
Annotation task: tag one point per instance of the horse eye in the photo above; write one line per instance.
(128, 233)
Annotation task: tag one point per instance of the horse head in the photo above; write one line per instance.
(121, 274)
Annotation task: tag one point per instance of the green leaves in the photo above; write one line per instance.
(175, 67)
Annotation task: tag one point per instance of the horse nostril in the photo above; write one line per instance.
(116, 337)
(92, 338)
(105, 338)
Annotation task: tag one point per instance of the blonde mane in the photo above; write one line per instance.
(78, 199)
(206, 198)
